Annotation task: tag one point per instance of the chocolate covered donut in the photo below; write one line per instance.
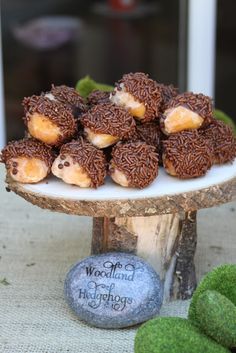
(27, 160)
(168, 92)
(222, 139)
(149, 133)
(105, 124)
(139, 94)
(80, 163)
(187, 155)
(69, 96)
(134, 164)
(49, 121)
(187, 111)
(98, 97)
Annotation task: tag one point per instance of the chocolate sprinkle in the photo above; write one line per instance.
(60, 114)
(137, 160)
(69, 95)
(222, 139)
(88, 157)
(107, 118)
(145, 90)
(168, 92)
(189, 153)
(29, 148)
(149, 133)
(97, 97)
(198, 103)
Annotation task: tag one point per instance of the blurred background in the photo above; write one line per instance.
(60, 41)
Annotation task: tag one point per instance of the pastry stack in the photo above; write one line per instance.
(126, 134)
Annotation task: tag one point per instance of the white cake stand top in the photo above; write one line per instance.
(165, 195)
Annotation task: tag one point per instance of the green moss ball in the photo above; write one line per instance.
(223, 280)
(173, 335)
(217, 317)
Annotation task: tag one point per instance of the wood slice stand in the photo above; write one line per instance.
(161, 229)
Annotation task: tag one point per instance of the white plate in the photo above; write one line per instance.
(163, 185)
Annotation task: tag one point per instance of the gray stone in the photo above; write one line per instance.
(113, 290)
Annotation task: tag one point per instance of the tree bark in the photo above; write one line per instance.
(167, 242)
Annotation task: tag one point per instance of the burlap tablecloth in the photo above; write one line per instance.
(38, 247)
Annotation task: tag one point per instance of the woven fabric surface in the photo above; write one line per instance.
(38, 247)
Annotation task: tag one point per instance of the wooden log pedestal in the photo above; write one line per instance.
(157, 223)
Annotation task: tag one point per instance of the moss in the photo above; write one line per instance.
(86, 85)
(219, 115)
(217, 317)
(222, 279)
(173, 335)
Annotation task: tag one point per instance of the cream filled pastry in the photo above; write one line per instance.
(139, 94)
(187, 155)
(49, 121)
(68, 96)
(187, 111)
(134, 164)
(167, 92)
(27, 160)
(105, 124)
(149, 133)
(98, 97)
(80, 163)
(222, 138)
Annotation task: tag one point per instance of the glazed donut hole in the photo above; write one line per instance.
(105, 124)
(27, 160)
(187, 111)
(134, 164)
(100, 140)
(27, 170)
(139, 95)
(49, 120)
(80, 163)
(70, 172)
(43, 129)
(179, 119)
(126, 100)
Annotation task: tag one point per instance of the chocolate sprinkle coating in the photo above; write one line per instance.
(168, 92)
(107, 118)
(149, 133)
(145, 90)
(98, 97)
(137, 160)
(222, 139)
(198, 103)
(60, 114)
(88, 157)
(69, 95)
(29, 148)
(190, 154)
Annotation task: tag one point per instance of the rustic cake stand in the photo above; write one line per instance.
(157, 223)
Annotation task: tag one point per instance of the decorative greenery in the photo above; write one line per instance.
(86, 85)
(173, 335)
(220, 115)
(223, 280)
(217, 317)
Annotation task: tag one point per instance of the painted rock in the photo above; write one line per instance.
(113, 290)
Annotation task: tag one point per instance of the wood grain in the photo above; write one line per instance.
(167, 242)
(185, 202)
